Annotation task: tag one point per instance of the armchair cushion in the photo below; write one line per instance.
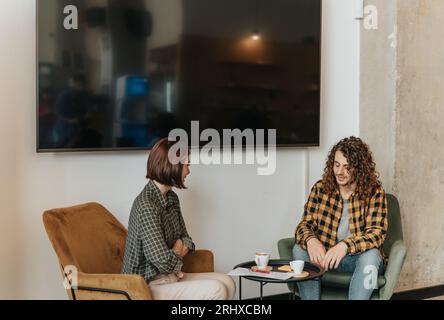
(342, 279)
(133, 285)
(332, 293)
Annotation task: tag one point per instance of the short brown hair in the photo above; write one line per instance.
(160, 169)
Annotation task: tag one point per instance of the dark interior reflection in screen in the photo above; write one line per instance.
(134, 70)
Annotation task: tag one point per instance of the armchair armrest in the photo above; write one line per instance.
(285, 248)
(395, 261)
(198, 261)
(111, 287)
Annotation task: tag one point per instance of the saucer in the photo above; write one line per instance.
(303, 274)
(256, 269)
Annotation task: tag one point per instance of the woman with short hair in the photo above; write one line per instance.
(158, 240)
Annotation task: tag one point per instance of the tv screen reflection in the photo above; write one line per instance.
(122, 74)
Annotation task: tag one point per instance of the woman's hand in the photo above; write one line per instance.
(185, 251)
(180, 248)
(180, 275)
(316, 251)
(334, 256)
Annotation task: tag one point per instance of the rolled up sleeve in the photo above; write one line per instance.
(306, 228)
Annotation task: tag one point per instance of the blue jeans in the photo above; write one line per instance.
(361, 286)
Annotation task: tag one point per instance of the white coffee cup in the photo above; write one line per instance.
(297, 266)
(262, 259)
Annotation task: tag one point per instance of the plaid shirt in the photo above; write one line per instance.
(155, 223)
(322, 214)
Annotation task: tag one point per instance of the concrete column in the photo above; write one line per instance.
(401, 109)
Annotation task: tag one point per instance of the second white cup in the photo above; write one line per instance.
(297, 266)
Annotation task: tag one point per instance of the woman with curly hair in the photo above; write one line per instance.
(344, 223)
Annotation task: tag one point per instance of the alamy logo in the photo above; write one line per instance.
(71, 20)
(219, 150)
(371, 17)
(371, 280)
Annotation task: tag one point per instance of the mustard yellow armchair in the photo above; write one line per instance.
(90, 240)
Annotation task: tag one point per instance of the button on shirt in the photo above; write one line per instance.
(155, 223)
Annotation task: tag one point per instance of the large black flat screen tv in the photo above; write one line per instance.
(120, 74)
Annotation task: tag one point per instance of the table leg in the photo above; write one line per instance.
(262, 289)
(240, 288)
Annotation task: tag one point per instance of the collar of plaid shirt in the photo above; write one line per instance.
(337, 195)
(162, 200)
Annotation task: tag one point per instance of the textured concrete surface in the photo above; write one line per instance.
(402, 97)
(378, 89)
(419, 175)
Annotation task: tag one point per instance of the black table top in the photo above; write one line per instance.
(314, 271)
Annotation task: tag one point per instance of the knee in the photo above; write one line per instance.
(370, 258)
(231, 287)
(229, 284)
(299, 253)
(217, 290)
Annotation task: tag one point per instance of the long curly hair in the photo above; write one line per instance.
(362, 167)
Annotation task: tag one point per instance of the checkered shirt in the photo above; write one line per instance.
(322, 215)
(155, 223)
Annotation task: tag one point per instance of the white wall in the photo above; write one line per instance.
(9, 226)
(228, 209)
